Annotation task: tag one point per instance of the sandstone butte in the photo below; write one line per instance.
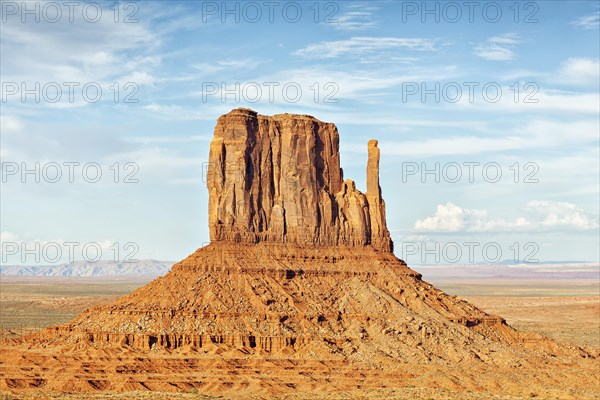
(298, 291)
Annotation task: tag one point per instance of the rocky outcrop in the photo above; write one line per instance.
(298, 292)
(274, 297)
(278, 179)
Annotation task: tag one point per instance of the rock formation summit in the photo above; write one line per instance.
(278, 179)
(298, 291)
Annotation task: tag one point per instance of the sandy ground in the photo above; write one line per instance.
(566, 319)
(371, 394)
(566, 314)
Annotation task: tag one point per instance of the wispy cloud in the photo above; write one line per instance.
(6, 236)
(498, 48)
(139, 78)
(320, 89)
(541, 134)
(66, 54)
(532, 99)
(363, 45)
(581, 71)
(227, 65)
(357, 18)
(10, 125)
(176, 112)
(591, 21)
(167, 139)
(42, 53)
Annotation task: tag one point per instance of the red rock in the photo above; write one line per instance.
(298, 292)
(278, 179)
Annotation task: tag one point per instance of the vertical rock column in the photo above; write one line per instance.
(380, 236)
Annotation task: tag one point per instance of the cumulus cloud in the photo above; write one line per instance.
(542, 215)
(447, 217)
(498, 48)
(561, 214)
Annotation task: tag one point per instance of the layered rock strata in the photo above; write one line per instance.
(278, 179)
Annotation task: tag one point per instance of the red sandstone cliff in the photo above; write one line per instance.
(278, 179)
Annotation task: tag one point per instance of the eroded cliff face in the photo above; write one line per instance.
(278, 179)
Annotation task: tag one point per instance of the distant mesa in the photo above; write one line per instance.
(278, 179)
(102, 268)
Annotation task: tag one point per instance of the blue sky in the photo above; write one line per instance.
(385, 70)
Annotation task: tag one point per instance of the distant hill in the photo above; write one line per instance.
(546, 270)
(154, 268)
(148, 268)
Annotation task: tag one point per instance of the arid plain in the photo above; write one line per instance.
(567, 312)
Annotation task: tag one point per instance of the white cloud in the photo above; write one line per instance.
(581, 71)
(558, 101)
(530, 99)
(452, 218)
(540, 134)
(591, 21)
(227, 65)
(167, 139)
(6, 236)
(10, 125)
(82, 52)
(498, 48)
(355, 21)
(139, 78)
(63, 53)
(143, 61)
(557, 214)
(363, 45)
(506, 39)
(449, 218)
(106, 244)
(454, 145)
(542, 215)
(182, 113)
(327, 85)
(156, 161)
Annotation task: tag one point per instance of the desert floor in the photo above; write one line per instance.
(381, 394)
(566, 311)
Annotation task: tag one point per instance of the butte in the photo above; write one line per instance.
(298, 291)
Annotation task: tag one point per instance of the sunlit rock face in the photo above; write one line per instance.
(278, 179)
